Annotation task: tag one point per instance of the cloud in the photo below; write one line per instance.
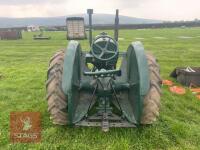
(169, 9)
(20, 11)
(150, 9)
(29, 2)
(130, 3)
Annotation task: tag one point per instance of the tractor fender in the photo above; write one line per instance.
(138, 76)
(71, 76)
(71, 58)
(138, 57)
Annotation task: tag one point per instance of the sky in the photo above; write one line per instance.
(169, 10)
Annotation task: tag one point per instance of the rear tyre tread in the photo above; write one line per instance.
(57, 101)
(152, 104)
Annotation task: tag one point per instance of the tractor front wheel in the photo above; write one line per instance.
(57, 101)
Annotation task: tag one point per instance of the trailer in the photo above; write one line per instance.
(75, 28)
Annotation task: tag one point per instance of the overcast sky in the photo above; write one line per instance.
(149, 9)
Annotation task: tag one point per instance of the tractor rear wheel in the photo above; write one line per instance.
(57, 101)
(151, 105)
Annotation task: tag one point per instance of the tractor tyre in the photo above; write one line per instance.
(57, 101)
(151, 105)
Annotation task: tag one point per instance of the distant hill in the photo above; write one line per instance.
(60, 21)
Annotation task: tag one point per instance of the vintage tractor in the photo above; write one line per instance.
(88, 89)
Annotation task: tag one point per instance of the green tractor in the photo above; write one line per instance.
(88, 89)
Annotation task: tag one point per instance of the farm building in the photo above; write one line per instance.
(10, 35)
(33, 28)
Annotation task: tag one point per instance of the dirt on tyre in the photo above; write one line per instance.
(152, 104)
(57, 101)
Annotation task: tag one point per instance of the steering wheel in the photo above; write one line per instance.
(104, 48)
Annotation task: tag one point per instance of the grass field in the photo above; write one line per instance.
(23, 67)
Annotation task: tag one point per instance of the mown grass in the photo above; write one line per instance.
(23, 67)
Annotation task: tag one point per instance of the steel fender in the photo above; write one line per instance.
(138, 77)
(72, 51)
(71, 77)
(139, 57)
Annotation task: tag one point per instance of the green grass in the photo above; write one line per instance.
(23, 67)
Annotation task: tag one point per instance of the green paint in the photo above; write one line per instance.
(71, 76)
(138, 75)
